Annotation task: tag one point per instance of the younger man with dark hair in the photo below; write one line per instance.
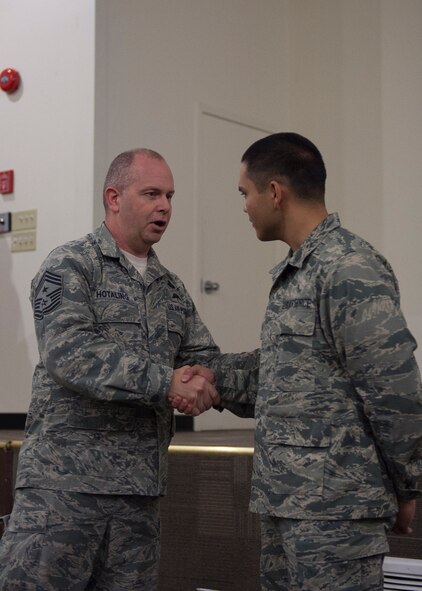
(338, 413)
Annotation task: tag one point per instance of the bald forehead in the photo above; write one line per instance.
(152, 172)
(144, 163)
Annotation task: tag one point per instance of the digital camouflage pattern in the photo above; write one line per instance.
(339, 407)
(339, 412)
(54, 541)
(99, 421)
(312, 555)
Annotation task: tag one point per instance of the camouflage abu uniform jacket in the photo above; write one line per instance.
(99, 421)
(339, 406)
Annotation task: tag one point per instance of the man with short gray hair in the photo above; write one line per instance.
(115, 330)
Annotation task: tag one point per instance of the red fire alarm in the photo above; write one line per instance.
(9, 80)
(6, 181)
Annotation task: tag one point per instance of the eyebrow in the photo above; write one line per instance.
(157, 189)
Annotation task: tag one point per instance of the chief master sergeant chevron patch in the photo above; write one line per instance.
(48, 295)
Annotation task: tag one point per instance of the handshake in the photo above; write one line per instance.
(192, 390)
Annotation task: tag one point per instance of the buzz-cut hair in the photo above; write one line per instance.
(120, 174)
(287, 157)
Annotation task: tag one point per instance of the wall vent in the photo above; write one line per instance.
(402, 574)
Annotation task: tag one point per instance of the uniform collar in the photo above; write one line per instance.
(106, 242)
(109, 248)
(297, 258)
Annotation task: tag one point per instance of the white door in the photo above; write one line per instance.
(232, 260)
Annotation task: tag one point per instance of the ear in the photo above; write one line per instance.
(277, 191)
(112, 198)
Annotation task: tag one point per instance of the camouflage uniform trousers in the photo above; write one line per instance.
(309, 555)
(63, 541)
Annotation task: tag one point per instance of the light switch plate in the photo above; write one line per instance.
(24, 241)
(24, 220)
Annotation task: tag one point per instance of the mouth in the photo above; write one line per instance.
(159, 224)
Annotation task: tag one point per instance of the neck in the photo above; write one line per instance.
(135, 247)
(302, 223)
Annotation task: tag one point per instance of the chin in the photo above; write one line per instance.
(262, 236)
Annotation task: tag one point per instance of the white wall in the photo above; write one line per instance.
(355, 87)
(401, 127)
(47, 139)
(157, 61)
(335, 99)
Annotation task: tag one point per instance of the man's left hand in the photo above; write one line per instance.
(405, 516)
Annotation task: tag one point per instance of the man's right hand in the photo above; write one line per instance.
(198, 370)
(192, 393)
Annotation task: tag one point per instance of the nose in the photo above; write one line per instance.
(164, 204)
